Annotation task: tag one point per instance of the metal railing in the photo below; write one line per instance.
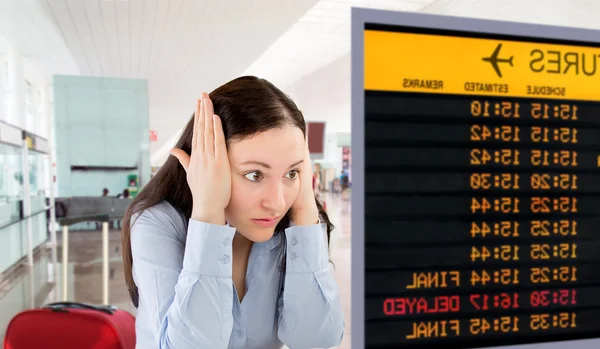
(89, 209)
(65, 223)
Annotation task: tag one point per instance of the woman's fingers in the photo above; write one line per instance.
(220, 145)
(209, 134)
(200, 130)
(208, 137)
(183, 157)
(194, 144)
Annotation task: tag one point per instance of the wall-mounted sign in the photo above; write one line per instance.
(153, 136)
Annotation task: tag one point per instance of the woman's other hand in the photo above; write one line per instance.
(208, 170)
(304, 210)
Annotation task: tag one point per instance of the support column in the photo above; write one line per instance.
(16, 86)
(16, 117)
(48, 116)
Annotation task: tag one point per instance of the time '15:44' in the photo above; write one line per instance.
(495, 205)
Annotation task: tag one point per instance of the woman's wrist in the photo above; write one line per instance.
(305, 217)
(209, 217)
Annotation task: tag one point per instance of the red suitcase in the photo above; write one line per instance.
(66, 325)
(71, 325)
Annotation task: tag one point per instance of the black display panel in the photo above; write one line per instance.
(482, 210)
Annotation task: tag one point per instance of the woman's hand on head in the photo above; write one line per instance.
(304, 210)
(208, 170)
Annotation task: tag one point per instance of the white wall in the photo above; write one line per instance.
(324, 95)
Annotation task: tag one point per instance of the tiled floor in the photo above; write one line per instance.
(339, 212)
(85, 276)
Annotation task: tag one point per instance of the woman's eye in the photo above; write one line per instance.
(292, 174)
(253, 176)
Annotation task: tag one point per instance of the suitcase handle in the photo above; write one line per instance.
(63, 306)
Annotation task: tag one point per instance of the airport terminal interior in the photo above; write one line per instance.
(94, 94)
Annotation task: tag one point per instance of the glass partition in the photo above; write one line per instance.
(11, 194)
(37, 191)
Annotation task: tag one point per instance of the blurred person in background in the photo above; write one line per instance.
(104, 195)
(124, 194)
(227, 246)
(344, 180)
(317, 187)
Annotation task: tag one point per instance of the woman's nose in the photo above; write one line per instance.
(273, 198)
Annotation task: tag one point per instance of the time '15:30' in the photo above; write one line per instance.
(511, 181)
(537, 298)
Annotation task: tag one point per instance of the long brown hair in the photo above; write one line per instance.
(247, 106)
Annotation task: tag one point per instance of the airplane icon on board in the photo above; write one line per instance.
(494, 60)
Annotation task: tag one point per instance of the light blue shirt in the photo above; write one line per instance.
(187, 298)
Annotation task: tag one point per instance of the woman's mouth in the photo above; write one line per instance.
(265, 222)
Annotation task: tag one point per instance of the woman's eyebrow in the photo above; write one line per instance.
(296, 163)
(265, 165)
(254, 162)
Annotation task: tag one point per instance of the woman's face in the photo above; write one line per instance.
(265, 180)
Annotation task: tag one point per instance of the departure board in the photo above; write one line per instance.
(481, 188)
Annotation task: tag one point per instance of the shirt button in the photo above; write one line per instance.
(225, 259)
(294, 242)
(226, 242)
(240, 333)
(294, 256)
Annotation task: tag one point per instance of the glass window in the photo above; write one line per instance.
(30, 116)
(37, 182)
(11, 183)
(3, 83)
(42, 122)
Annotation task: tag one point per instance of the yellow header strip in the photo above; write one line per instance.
(472, 66)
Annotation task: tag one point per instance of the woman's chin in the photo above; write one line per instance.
(259, 234)
(255, 231)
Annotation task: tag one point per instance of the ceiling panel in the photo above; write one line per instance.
(320, 37)
(108, 18)
(92, 12)
(123, 26)
(182, 47)
(136, 23)
(82, 33)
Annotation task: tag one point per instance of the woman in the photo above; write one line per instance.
(238, 257)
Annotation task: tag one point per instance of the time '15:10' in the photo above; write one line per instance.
(505, 109)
